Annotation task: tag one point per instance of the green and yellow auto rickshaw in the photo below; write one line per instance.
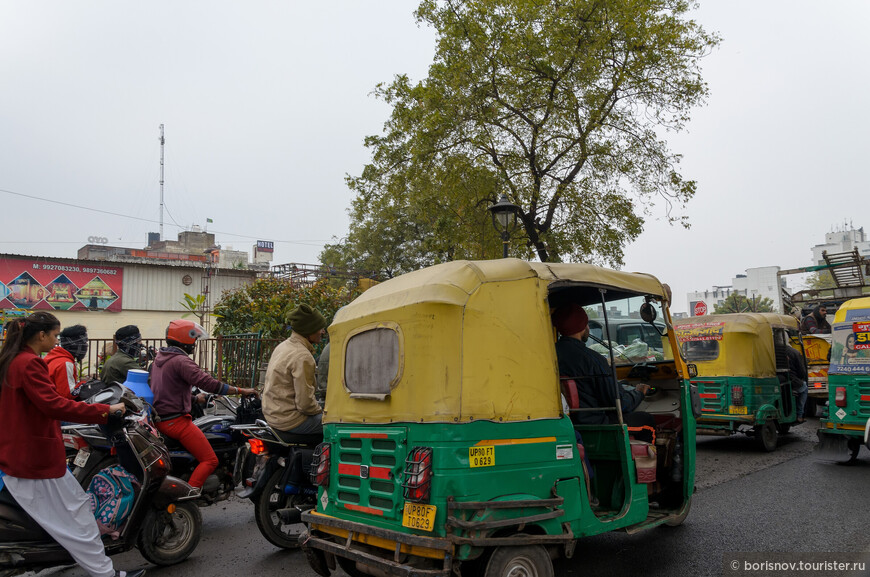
(742, 368)
(847, 424)
(447, 448)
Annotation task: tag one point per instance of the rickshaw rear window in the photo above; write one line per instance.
(694, 351)
(371, 362)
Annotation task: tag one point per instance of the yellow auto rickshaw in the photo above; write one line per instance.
(743, 372)
(447, 447)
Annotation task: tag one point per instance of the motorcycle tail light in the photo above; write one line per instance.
(840, 397)
(737, 395)
(257, 446)
(74, 441)
(418, 475)
(320, 465)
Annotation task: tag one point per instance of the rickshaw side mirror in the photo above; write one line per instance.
(648, 312)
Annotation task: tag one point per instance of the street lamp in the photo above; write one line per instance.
(504, 219)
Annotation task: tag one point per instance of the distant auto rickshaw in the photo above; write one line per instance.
(447, 448)
(847, 424)
(742, 368)
(818, 350)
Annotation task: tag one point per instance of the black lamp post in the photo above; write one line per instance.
(504, 219)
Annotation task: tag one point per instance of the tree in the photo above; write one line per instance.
(263, 306)
(821, 280)
(195, 305)
(559, 105)
(737, 303)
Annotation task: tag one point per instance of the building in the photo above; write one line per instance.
(194, 246)
(842, 239)
(109, 293)
(759, 282)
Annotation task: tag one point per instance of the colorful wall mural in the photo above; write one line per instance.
(51, 285)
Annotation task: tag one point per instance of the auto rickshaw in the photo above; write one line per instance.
(447, 448)
(847, 425)
(818, 351)
(742, 370)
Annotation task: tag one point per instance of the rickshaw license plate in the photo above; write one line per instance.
(82, 458)
(481, 456)
(419, 516)
(734, 410)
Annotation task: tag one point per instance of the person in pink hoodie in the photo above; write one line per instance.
(173, 376)
(63, 359)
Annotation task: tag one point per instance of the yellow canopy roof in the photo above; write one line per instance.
(475, 337)
(861, 303)
(745, 342)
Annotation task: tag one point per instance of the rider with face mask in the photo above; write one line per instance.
(129, 342)
(62, 360)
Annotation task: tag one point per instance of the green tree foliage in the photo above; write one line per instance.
(559, 105)
(194, 305)
(263, 306)
(737, 303)
(821, 280)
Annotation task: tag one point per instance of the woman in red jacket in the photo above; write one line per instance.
(32, 458)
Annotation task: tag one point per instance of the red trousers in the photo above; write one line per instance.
(185, 432)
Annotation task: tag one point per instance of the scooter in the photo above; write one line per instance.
(164, 523)
(233, 464)
(280, 486)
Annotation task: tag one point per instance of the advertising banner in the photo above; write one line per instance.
(53, 285)
(850, 352)
(711, 331)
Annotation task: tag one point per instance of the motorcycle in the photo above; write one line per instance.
(280, 486)
(233, 464)
(217, 426)
(164, 524)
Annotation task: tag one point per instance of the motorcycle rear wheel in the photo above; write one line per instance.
(266, 513)
(167, 539)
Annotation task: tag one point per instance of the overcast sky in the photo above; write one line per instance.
(266, 105)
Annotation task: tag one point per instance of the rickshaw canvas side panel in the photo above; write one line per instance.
(508, 346)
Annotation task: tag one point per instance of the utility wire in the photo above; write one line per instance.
(302, 242)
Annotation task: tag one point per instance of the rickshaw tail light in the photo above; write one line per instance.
(257, 446)
(736, 395)
(320, 465)
(840, 397)
(418, 475)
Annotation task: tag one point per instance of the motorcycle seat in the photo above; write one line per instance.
(15, 523)
(309, 440)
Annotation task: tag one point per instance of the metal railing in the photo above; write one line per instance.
(239, 360)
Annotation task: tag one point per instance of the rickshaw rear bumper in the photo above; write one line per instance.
(323, 530)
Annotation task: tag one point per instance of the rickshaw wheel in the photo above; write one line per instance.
(854, 448)
(529, 561)
(765, 435)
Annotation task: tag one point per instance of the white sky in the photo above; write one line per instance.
(266, 105)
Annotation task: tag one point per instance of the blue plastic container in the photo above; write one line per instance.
(137, 381)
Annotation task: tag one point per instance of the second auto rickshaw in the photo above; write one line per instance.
(742, 370)
(847, 424)
(447, 447)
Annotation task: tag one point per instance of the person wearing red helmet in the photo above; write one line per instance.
(173, 375)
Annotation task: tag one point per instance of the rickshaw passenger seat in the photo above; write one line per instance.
(569, 389)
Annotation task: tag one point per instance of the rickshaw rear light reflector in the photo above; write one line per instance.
(418, 475)
(840, 397)
(257, 446)
(320, 465)
(736, 395)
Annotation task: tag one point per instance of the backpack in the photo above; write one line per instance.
(111, 494)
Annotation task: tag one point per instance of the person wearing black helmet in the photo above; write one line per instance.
(173, 375)
(129, 342)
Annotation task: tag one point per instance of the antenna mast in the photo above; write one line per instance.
(162, 141)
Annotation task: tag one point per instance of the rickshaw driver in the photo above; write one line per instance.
(578, 360)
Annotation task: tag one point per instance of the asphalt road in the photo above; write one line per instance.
(746, 501)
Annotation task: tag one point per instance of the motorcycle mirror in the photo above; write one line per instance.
(648, 312)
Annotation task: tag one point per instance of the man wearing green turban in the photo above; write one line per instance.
(288, 396)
